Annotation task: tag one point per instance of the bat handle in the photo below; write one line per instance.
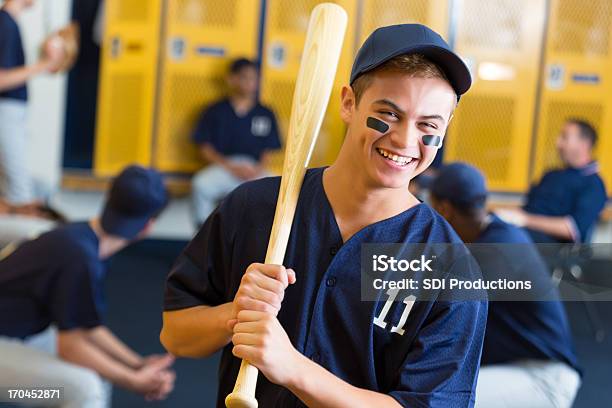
(243, 395)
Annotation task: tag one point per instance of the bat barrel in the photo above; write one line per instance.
(313, 88)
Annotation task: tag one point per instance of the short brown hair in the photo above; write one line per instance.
(415, 65)
(587, 131)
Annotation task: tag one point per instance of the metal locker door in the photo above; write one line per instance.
(127, 85)
(493, 125)
(378, 13)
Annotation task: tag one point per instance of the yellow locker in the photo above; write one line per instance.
(127, 84)
(577, 80)
(202, 36)
(285, 33)
(492, 129)
(378, 13)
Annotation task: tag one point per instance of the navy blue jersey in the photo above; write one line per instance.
(526, 329)
(11, 53)
(56, 278)
(231, 134)
(579, 194)
(432, 363)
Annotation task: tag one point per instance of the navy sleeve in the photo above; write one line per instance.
(207, 128)
(274, 138)
(200, 275)
(72, 302)
(587, 208)
(8, 44)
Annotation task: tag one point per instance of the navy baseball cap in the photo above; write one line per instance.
(238, 64)
(388, 42)
(461, 184)
(136, 195)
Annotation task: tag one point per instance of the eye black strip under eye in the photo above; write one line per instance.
(377, 124)
(432, 140)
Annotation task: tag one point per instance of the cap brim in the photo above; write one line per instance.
(453, 66)
(118, 224)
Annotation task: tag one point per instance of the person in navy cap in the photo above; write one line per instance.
(52, 303)
(235, 136)
(528, 359)
(325, 346)
(566, 203)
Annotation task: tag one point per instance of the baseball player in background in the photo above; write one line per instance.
(528, 357)
(16, 185)
(53, 304)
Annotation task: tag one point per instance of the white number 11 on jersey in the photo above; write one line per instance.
(380, 319)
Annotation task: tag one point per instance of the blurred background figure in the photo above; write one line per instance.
(52, 303)
(565, 205)
(19, 222)
(528, 358)
(16, 184)
(235, 136)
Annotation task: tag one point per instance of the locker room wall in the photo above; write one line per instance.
(506, 125)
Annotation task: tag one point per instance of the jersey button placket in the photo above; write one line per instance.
(330, 282)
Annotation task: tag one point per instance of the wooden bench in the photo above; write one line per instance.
(178, 186)
(515, 201)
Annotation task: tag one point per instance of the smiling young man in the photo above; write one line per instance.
(326, 347)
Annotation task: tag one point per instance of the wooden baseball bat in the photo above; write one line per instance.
(312, 90)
